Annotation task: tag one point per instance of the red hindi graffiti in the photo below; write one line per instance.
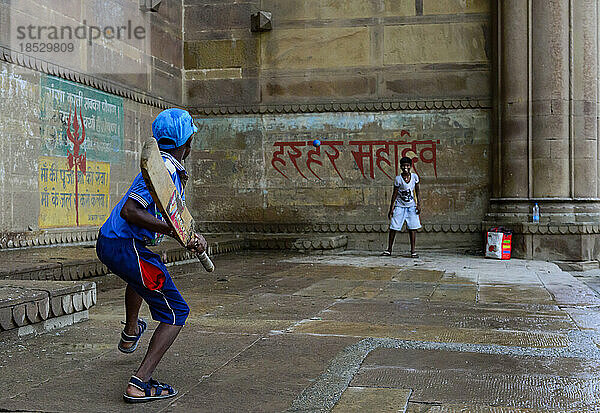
(416, 154)
(383, 155)
(432, 151)
(332, 156)
(379, 159)
(294, 153)
(416, 150)
(314, 152)
(361, 155)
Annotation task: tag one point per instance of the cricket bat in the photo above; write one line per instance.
(167, 198)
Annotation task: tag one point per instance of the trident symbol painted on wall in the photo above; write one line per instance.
(76, 161)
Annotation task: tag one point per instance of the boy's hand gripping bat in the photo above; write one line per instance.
(167, 198)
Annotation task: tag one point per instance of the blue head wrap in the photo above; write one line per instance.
(172, 128)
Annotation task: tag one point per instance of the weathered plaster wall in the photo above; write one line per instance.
(402, 75)
(32, 130)
(151, 65)
(117, 87)
(264, 169)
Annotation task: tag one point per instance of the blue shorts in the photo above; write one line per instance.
(144, 271)
(405, 214)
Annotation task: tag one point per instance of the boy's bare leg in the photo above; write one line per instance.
(412, 235)
(163, 337)
(391, 237)
(133, 302)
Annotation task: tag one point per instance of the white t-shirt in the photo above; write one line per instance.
(405, 196)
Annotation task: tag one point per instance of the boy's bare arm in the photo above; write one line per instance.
(394, 195)
(418, 194)
(134, 213)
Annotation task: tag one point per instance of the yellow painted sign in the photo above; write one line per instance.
(69, 199)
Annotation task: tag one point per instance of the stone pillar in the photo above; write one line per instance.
(550, 78)
(512, 165)
(546, 147)
(585, 98)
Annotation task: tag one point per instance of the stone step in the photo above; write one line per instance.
(299, 242)
(40, 288)
(77, 262)
(33, 306)
(577, 265)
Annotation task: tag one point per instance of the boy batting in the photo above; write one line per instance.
(132, 225)
(403, 207)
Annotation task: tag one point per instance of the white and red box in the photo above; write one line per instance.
(498, 243)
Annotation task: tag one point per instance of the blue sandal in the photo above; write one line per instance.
(161, 391)
(126, 338)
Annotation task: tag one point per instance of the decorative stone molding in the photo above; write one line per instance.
(557, 242)
(321, 228)
(81, 262)
(28, 302)
(355, 106)
(224, 247)
(298, 243)
(42, 66)
(556, 229)
(555, 211)
(47, 237)
(175, 253)
(88, 234)
(83, 235)
(72, 271)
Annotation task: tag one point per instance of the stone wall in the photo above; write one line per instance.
(149, 64)
(327, 51)
(37, 188)
(264, 169)
(57, 188)
(546, 143)
(374, 80)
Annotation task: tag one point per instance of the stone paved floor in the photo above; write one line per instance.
(273, 332)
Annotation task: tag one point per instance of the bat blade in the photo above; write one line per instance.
(168, 199)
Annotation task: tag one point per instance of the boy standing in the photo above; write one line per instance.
(403, 207)
(132, 225)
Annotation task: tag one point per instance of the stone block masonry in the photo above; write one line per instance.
(123, 45)
(372, 79)
(276, 176)
(328, 52)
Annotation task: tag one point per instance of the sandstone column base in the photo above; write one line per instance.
(569, 230)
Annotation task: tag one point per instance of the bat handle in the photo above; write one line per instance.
(206, 262)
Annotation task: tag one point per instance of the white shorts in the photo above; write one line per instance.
(402, 214)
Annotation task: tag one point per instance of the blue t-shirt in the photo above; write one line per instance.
(117, 227)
